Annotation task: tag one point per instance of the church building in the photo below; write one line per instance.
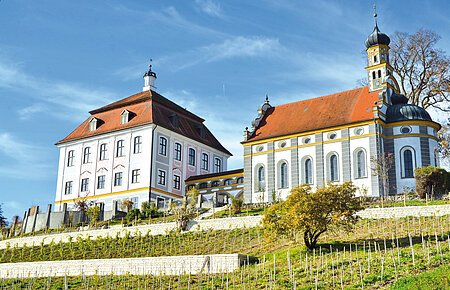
(140, 148)
(333, 138)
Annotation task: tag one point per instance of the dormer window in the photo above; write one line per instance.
(174, 120)
(93, 124)
(125, 116)
(201, 131)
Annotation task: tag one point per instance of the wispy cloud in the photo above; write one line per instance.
(210, 7)
(22, 160)
(62, 99)
(235, 47)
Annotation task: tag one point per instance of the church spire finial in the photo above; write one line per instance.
(149, 78)
(375, 15)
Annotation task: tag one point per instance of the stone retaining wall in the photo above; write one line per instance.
(399, 212)
(152, 229)
(172, 265)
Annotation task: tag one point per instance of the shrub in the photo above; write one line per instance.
(93, 214)
(133, 214)
(431, 180)
(236, 204)
(149, 210)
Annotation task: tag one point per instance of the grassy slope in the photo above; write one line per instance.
(438, 278)
(368, 262)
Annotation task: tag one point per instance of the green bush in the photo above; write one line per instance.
(149, 210)
(432, 180)
(133, 214)
(93, 214)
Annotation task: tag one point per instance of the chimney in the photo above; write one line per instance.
(149, 80)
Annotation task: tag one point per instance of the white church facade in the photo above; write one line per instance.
(333, 138)
(140, 148)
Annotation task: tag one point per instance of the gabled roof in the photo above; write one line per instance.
(148, 107)
(318, 113)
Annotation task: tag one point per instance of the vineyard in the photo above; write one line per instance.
(377, 254)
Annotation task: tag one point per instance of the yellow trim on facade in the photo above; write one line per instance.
(311, 144)
(410, 135)
(325, 130)
(380, 65)
(116, 193)
(414, 122)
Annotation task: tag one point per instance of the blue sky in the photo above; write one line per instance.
(60, 59)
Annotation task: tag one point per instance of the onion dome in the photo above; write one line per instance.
(400, 110)
(377, 37)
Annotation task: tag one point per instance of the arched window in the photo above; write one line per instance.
(408, 164)
(379, 73)
(191, 157)
(177, 155)
(203, 185)
(374, 58)
(283, 183)
(374, 76)
(240, 180)
(333, 167)
(261, 179)
(228, 181)
(360, 163)
(307, 171)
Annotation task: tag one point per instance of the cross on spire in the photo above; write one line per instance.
(375, 15)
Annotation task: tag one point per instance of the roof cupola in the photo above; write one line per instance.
(149, 79)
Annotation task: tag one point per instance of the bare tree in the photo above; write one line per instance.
(380, 167)
(422, 70)
(444, 141)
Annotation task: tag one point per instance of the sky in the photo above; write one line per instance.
(60, 59)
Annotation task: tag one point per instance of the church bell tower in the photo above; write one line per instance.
(377, 48)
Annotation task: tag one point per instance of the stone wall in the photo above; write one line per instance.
(172, 265)
(399, 212)
(152, 229)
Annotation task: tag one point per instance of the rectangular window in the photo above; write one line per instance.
(103, 150)
(217, 165)
(177, 151)
(120, 147)
(118, 179)
(137, 144)
(70, 158)
(84, 184)
(135, 201)
(101, 182)
(135, 175)
(205, 161)
(68, 189)
(191, 160)
(162, 146)
(177, 182)
(161, 177)
(86, 155)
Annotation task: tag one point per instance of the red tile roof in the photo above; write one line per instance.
(147, 107)
(318, 113)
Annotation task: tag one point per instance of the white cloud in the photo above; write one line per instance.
(62, 99)
(235, 47)
(210, 7)
(22, 160)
